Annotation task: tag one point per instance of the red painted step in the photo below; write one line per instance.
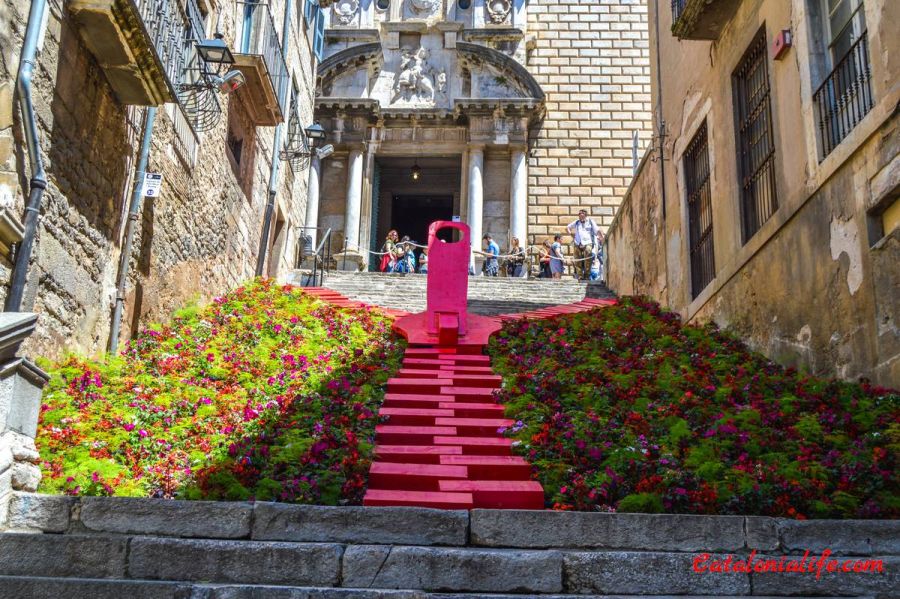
(414, 416)
(411, 435)
(477, 445)
(500, 494)
(415, 454)
(474, 410)
(434, 385)
(414, 400)
(412, 477)
(469, 393)
(490, 467)
(475, 426)
(432, 499)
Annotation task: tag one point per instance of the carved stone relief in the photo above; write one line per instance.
(416, 80)
(498, 10)
(346, 11)
(423, 9)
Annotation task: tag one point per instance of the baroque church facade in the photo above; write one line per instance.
(509, 115)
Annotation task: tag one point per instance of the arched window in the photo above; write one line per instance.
(382, 4)
(465, 4)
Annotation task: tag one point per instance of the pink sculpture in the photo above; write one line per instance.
(448, 283)
(446, 322)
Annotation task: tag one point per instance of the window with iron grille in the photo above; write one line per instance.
(756, 144)
(700, 217)
(844, 96)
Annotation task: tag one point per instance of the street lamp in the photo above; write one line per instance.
(416, 171)
(215, 52)
(315, 133)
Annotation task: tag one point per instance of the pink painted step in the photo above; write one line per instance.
(477, 394)
(477, 445)
(473, 410)
(489, 467)
(412, 477)
(432, 499)
(415, 454)
(411, 435)
(433, 385)
(475, 426)
(414, 416)
(502, 494)
(414, 400)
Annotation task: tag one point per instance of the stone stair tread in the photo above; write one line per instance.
(499, 494)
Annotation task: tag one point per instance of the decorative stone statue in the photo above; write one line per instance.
(498, 10)
(345, 11)
(415, 84)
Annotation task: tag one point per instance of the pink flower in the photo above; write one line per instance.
(143, 433)
(128, 426)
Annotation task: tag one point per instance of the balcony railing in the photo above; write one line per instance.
(845, 96)
(174, 27)
(260, 37)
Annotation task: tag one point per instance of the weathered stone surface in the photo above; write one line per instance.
(535, 529)
(634, 573)
(446, 569)
(25, 476)
(235, 561)
(321, 524)
(270, 592)
(62, 555)
(849, 537)
(761, 533)
(15, 587)
(881, 585)
(162, 517)
(46, 513)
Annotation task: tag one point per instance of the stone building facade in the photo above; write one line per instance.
(100, 65)
(769, 201)
(512, 114)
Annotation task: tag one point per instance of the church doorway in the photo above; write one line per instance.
(410, 204)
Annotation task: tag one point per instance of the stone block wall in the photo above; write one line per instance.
(591, 58)
(409, 553)
(199, 238)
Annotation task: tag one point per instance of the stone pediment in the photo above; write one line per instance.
(426, 76)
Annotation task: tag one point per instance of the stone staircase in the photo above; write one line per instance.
(487, 296)
(105, 548)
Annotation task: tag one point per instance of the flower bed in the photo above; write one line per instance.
(266, 393)
(624, 408)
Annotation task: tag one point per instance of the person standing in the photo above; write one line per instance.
(491, 265)
(423, 262)
(586, 235)
(556, 257)
(387, 260)
(515, 265)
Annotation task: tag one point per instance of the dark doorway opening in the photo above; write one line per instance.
(413, 214)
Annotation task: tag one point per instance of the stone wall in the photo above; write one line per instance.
(199, 238)
(529, 553)
(591, 58)
(815, 286)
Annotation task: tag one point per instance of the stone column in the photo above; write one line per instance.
(354, 199)
(474, 213)
(312, 201)
(518, 195)
(21, 383)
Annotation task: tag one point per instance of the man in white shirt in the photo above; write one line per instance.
(586, 235)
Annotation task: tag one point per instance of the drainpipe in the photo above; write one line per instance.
(661, 123)
(133, 212)
(276, 147)
(38, 181)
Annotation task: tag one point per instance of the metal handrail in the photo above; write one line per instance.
(321, 259)
(260, 37)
